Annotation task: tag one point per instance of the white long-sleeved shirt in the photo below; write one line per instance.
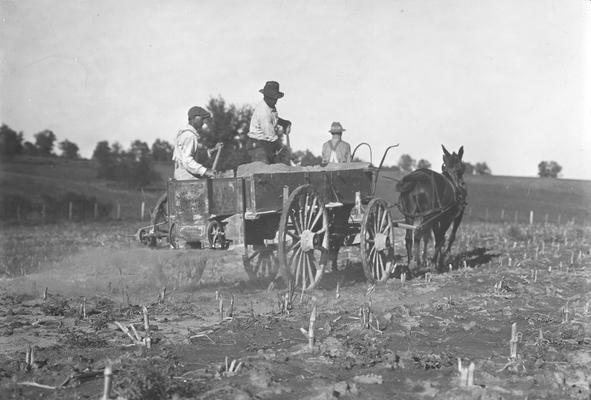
(186, 145)
(263, 124)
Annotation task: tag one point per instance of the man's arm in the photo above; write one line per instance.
(347, 157)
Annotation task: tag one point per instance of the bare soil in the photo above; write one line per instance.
(399, 340)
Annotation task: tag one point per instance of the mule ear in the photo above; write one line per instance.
(461, 152)
(445, 151)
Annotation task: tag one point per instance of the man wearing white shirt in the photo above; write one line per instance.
(266, 127)
(189, 151)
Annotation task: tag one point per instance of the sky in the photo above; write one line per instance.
(507, 79)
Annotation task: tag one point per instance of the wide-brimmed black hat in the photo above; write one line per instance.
(271, 89)
(336, 127)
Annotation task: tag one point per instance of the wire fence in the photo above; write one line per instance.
(79, 211)
(86, 210)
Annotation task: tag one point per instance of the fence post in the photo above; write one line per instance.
(143, 209)
(70, 211)
(516, 216)
(531, 217)
(95, 210)
(558, 219)
(118, 211)
(502, 215)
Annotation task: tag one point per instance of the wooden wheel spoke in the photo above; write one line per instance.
(309, 268)
(313, 208)
(321, 231)
(307, 210)
(318, 216)
(300, 266)
(295, 221)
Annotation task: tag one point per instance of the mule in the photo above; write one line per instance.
(433, 201)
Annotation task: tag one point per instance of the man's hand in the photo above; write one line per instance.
(209, 174)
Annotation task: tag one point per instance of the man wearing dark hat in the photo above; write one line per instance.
(266, 128)
(189, 151)
(336, 150)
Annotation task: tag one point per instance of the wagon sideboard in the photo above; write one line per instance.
(194, 203)
(264, 192)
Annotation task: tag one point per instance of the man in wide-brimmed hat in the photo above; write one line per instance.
(266, 128)
(336, 150)
(190, 153)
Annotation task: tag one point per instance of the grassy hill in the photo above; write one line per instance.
(488, 196)
(33, 177)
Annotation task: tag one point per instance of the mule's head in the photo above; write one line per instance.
(453, 166)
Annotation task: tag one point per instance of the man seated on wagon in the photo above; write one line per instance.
(190, 152)
(336, 150)
(266, 128)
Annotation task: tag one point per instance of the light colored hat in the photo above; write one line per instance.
(336, 127)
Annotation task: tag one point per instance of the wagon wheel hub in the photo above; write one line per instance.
(307, 240)
(382, 242)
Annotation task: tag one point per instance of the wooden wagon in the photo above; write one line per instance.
(293, 221)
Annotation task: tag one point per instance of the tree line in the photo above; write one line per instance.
(134, 167)
(12, 143)
(407, 164)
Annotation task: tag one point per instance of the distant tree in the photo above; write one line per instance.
(30, 149)
(117, 149)
(133, 168)
(102, 154)
(482, 169)
(11, 142)
(229, 125)
(394, 168)
(423, 164)
(140, 150)
(227, 120)
(306, 158)
(161, 150)
(407, 163)
(44, 142)
(468, 168)
(555, 169)
(69, 149)
(549, 169)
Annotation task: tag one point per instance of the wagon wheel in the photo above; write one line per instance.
(377, 241)
(216, 236)
(159, 221)
(262, 265)
(303, 237)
